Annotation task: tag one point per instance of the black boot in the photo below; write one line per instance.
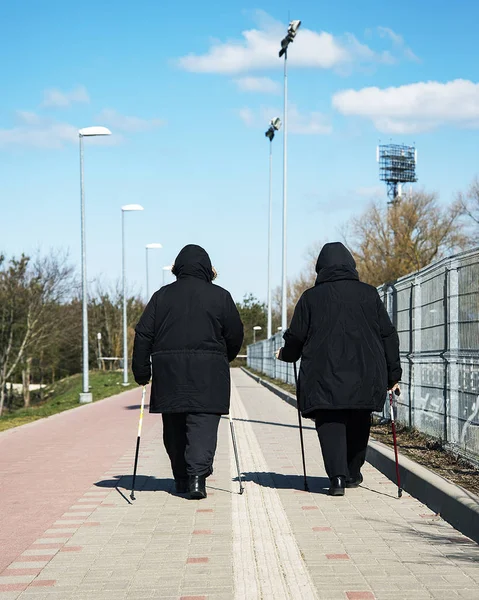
(197, 487)
(181, 485)
(337, 486)
(354, 482)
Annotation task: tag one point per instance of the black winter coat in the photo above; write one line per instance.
(191, 329)
(348, 346)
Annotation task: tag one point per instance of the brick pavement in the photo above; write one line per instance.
(275, 541)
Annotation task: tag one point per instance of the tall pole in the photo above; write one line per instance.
(270, 227)
(284, 300)
(147, 283)
(125, 332)
(85, 395)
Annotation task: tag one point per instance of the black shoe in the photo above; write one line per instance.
(181, 485)
(337, 486)
(354, 482)
(197, 487)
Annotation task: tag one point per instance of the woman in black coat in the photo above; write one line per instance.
(187, 335)
(349, 353)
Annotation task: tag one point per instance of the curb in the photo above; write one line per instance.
(453, 503)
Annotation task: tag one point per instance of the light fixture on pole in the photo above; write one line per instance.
(275, 125)
(85, 395)
(255, 329)
(124, 209)
(285, 42)
(149, 247)
(165, 269)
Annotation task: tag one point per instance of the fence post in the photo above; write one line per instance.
(444, 355)
(410, 353)
(416, 387)
(453, 350)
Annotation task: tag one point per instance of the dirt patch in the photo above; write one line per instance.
(428, 451)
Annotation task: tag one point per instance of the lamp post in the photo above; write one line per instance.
(275, 124)
(149, 247)
(98, 337)
(165, 269)
(124, 209)
(255, 329)
(85, 395)
(285, 42)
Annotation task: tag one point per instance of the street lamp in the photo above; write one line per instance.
(85, 395)
(285, 42)
(275, 125)
(165, 269)
(149, 247)
(255, 329)
(124, 209)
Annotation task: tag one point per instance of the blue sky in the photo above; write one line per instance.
(188, 90)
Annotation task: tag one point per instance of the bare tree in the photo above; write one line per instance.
(29, 292)
(105, 310)
(470, 205)
(389, 242)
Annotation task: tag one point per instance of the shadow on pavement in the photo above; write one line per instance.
(453, 545)
(270, 423)
(279, 481)
(143, 483)
(135, 407)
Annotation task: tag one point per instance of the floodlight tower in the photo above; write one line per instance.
(397, 165)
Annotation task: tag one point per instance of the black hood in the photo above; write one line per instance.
(193, 261)
(335, 262)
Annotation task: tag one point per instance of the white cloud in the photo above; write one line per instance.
(120, 122)
(414, 108)
(307, 123)
(38, 132)
(35, 131)
(398, 41)
(57, 98)
(258, 49)
(258, 84)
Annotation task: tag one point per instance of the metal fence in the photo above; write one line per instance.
(436, 313)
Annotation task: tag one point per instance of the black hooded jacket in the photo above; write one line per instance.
(348, 346)
(191, 329)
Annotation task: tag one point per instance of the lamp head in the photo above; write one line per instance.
(92, 131)
(276, 123)
(293, 28)
(154, 245)
(291, 34)
(131, 207)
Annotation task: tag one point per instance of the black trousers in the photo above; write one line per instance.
(190, 441)
(343, 435)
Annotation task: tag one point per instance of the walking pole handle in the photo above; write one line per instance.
(142, 410)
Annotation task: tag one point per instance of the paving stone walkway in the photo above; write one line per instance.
(273, 542)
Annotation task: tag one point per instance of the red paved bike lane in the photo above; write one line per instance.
(46, 465)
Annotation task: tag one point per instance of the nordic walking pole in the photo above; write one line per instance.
(143, 394)
(393, 423)
(235, 448)
(306, 488)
